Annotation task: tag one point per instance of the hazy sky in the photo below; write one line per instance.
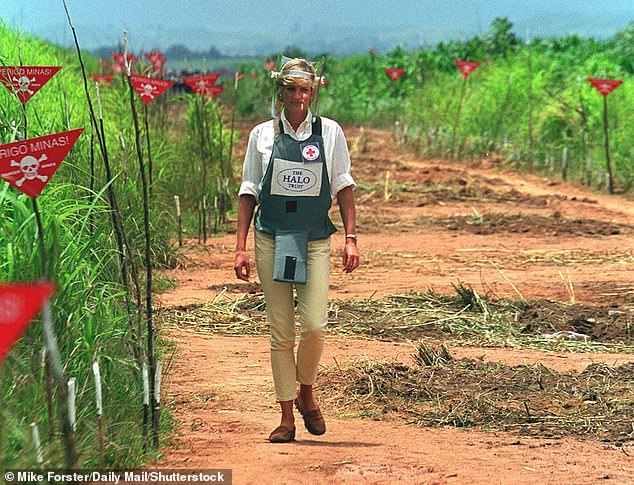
(100, 22)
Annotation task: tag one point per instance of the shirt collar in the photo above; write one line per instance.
(304, 130)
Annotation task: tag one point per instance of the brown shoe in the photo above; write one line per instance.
(313, 420)
(282, 434)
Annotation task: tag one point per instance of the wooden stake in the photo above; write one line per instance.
(457, 120)
(52, 350)
(233, 120)
(119, 229)
(204, 216)
(99, 406)
(146, 404)
(531, 102)
(72, 411)
(149, 149)
(37, 443)
(157, 402)
(510, 283)
(573, 299)
(177, 203)
(606, 141)
(589, 169)
(200, 220)
(146, 223)
(203, 208)
(386, 189)
(50, 340)
(49, 393)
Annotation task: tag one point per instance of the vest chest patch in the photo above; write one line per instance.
(311, 152)
(296, 179)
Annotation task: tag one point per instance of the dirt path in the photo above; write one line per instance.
(506, 234)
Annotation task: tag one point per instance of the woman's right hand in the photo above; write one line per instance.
(242, 266)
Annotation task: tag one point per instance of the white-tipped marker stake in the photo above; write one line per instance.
(177, 203)
(146, 403)
(72, 411)
(98, 396)
(99, 404)
(157, 382)
(46, 364)
(386, 190)
(37, 443)
(157, 401)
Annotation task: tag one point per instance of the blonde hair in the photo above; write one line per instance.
(296, 71)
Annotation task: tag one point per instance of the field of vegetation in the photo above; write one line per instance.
(528, 104)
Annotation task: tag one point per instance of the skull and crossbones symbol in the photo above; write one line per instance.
(29, 167)
(148, 90)
(24, 83)
(202, 86)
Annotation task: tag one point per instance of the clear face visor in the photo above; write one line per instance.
(289, 77)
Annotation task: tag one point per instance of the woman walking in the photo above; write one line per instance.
(295, 165)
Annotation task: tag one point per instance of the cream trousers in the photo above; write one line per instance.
(312, 307)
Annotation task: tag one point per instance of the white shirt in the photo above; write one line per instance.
(260, 147)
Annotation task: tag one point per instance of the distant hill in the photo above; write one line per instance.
(339, 40)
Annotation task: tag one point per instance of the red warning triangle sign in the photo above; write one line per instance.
(605, 86)
(466, 67)
(29, 164)
(25, 81)
(102, 79)
(202, 84)
(105, 64)
(150, 88)
(394, 73)
(214, 91)
(119, 61)
(19, 303)
(157, 59)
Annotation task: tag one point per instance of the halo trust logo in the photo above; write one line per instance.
(297, 180)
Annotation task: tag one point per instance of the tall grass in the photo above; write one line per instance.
(90, 313)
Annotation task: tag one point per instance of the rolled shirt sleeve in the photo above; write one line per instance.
(340, 176)
(252, 167)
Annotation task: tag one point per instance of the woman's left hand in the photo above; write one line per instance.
(350, 256)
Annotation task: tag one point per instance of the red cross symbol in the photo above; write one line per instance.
(310, 152)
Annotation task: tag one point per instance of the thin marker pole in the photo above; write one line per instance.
(157, 402)
(606, 142)
(146, 222)
(146, 404)
(149, 148)
(72, 410)
(457, 120)
(37, 443)
(99, 406)
(177, 202)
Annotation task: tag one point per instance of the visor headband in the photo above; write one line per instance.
(306, 75)
(292, 73)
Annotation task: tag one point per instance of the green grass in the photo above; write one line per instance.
(93, 318)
